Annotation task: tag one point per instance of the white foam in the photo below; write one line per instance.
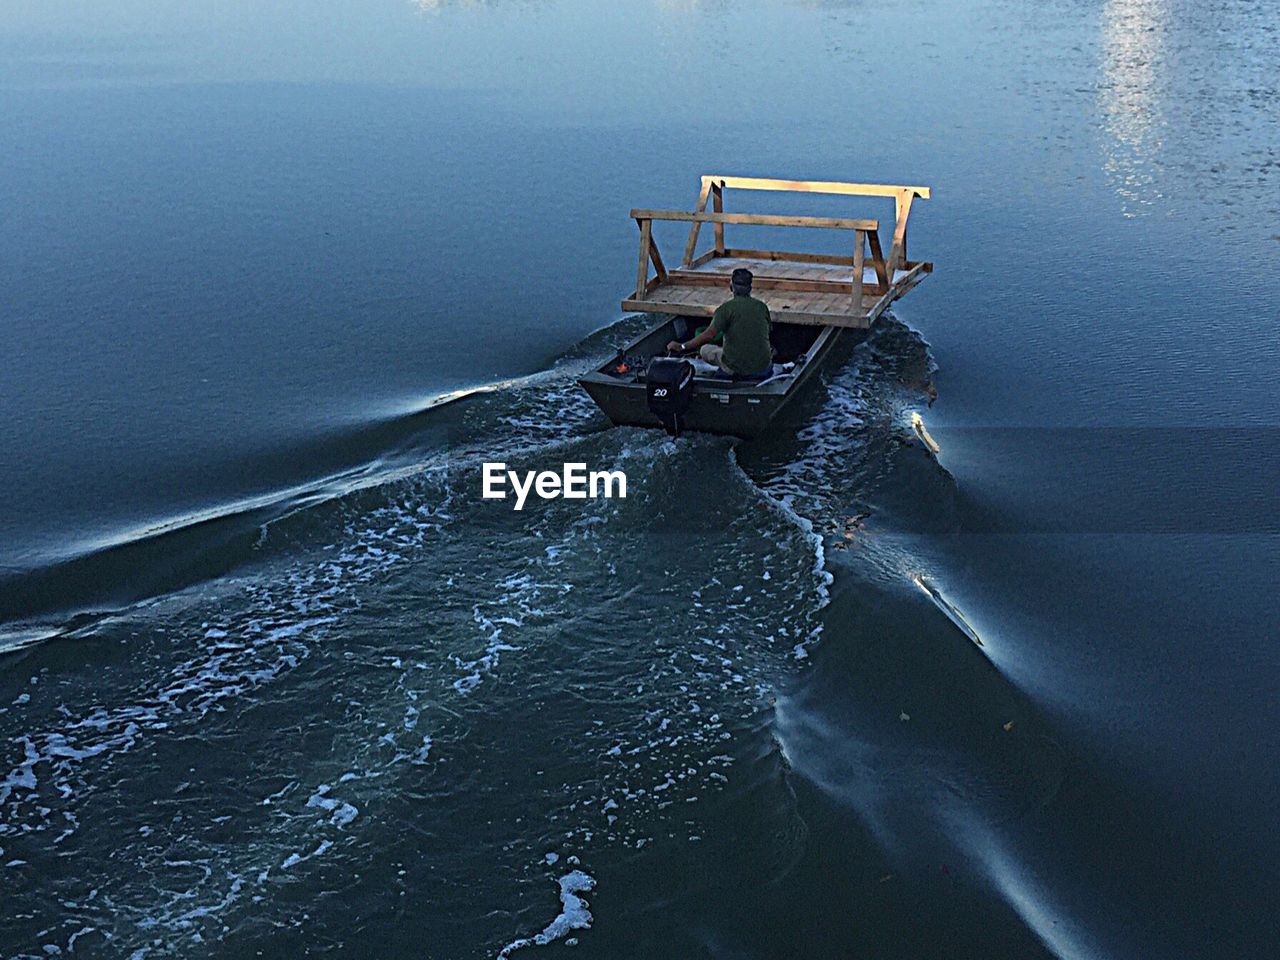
(423, 752)
(24, 774)
(341, 812)
(294, 859)
(574, 914)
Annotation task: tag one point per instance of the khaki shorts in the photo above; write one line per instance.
(713, 354)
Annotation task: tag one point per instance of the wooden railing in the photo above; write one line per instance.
(866, 246)
(889, 278)
(713, 187)
(757, 219)
(865, 232)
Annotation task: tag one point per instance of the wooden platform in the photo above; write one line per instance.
(797, 287)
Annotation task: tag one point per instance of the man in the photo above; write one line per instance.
(744, 324)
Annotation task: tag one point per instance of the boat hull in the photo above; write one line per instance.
(734, 408)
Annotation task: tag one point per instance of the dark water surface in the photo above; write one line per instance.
(275, 680)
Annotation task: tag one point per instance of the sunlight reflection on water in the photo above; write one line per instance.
(1132, 46)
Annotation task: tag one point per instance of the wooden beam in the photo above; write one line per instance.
(902, 212)
(880, 306)
(841, 287)
(877, 260)
(705, 258)
(859, 252)
(659, 267)
(641, 305)
(898, 251)
(717, 204)
(819, 186)
(692, 243)
(757, 219)
(637, 305)
(646, 239)
(789, 257)
(913, 277)
(786, 256)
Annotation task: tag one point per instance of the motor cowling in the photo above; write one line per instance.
(669, 387)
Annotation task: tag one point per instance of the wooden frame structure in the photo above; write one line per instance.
(832, 290)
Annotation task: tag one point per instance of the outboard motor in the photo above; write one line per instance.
(668, 384)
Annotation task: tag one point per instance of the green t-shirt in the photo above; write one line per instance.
(744, 321)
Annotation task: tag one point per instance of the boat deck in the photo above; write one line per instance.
(802, 288)
(797, 306)
(829, 301)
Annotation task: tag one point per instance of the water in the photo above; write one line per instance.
(276, 680)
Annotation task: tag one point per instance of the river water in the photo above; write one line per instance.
(275, 680)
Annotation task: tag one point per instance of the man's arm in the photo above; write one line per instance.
(706, 336)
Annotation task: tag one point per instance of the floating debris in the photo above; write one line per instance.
(917, 424)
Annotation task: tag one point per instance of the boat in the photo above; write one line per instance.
(813, 301)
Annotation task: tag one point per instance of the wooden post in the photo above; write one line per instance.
(717, 205)
(658, 265)
(642, 272)
(898, 252)
(692, 243)
(877, 259)
(859, 243)
(903, 212)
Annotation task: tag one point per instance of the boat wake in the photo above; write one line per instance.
(393, 651)
(620, 624)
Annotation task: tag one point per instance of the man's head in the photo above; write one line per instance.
(740, 281)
